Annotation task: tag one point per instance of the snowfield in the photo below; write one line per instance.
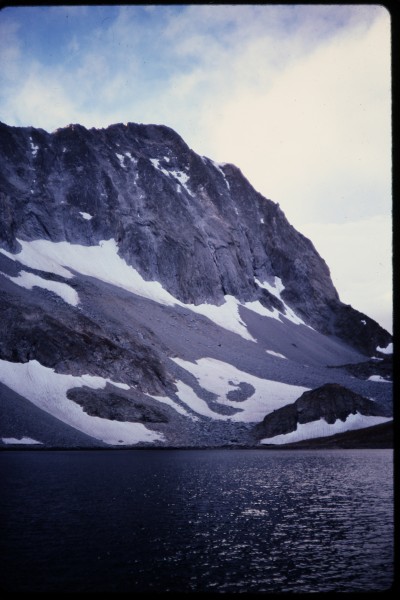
(29, 280)
(378, 378)
(23, 440)
(276, 289)
(48, 390)
(278, 354)
(179, 409)
(220, 378)
(321, 428)
(104, 263)
(387, 350)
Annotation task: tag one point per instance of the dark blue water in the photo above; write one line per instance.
(197, 521)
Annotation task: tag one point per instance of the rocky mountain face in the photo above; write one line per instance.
(127, 257)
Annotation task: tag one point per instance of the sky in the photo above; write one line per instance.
(297, 96)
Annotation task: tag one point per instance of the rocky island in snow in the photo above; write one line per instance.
(151, 297)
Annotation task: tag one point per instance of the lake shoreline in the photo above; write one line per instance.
(369, 438)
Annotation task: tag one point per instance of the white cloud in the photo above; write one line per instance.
(9, 43)
(359, 257)
(297, 96)
(40, 98)
(318, 139)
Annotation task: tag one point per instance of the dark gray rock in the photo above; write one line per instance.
(382, 366)
(121, 406)
(70, 342)
(243, 391)
(199, 229)
(330, 402)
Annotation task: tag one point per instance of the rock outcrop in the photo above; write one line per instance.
(329, 402)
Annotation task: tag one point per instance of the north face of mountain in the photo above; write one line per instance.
(198, 228)
(151, 297)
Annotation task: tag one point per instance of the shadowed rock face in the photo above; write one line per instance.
(118, 407)
(382, 367)
(198, 228)
(330, 402)
(73, 343)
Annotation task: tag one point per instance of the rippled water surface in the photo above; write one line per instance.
(197, 520)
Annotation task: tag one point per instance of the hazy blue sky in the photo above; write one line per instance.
(297, 96)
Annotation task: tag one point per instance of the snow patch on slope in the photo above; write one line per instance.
(320, 428)
(29, 280)
(220, 378)
(104, 263)
(23, 440)
(387, 350)
(275, 354)
(86, 216)
(48, 390)
(180, 176)
(378, 378)
(189, 397)
(179, 409)
(218, 167)
(276, 290)
(34, 147)
(121, 158)
(225, 315)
